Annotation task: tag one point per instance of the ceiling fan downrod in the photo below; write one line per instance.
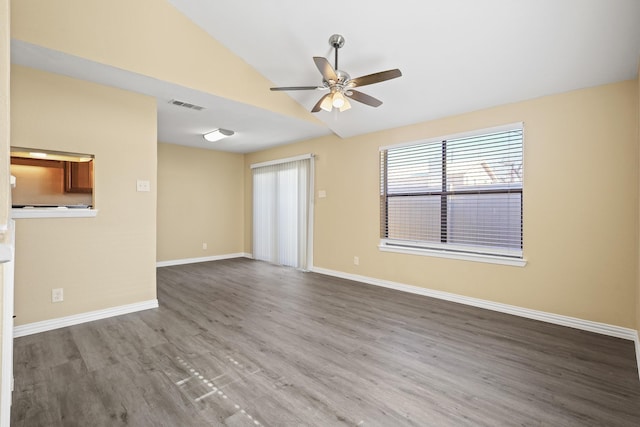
(336, 41)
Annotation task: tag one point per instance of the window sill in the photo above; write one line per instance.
(20, 213)
(491, 259)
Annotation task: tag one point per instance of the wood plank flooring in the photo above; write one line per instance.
(244, 343)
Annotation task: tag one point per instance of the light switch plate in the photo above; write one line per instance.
(57, 295)
(143, 185)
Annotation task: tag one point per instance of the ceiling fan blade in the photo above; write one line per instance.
(298, 88)
(327, 71)
(363, 97)
(375, 78)
(316, 107)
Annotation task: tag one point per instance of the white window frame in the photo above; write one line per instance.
(448, 250)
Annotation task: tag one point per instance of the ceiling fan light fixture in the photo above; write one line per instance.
(327, 103)
(217, 134)
(345, 106)
(338, 100)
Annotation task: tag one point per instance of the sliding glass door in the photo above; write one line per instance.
(281, 208)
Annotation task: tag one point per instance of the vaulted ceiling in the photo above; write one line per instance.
(455, 56)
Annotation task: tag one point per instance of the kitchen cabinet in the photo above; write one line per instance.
(78, 177)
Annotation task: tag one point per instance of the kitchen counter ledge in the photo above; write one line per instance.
(20, 213)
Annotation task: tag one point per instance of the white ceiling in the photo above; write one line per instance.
(455, 55)
(255, 128)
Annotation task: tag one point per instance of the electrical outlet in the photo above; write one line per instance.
(57, 295)
(204, 246)
(356, 260)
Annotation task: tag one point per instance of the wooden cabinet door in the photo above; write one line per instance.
(78, 177)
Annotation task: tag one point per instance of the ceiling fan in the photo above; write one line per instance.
(340, 84)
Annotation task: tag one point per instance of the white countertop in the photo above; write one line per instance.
(59, 212)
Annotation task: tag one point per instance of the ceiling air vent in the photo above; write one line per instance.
(186, 105)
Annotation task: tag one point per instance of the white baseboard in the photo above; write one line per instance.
(201, 259)
(573, 322)
(62, 322)
(637, 340)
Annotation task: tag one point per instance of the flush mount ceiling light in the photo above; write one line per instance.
(217, 134)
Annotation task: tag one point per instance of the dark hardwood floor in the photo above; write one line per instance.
(244, 343)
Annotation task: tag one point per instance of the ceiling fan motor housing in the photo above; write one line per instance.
(343, 78)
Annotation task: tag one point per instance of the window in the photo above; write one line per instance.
(460, 195)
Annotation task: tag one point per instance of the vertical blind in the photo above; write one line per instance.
(457, 194)
(281, 212)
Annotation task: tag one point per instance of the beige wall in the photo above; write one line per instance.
(104, 261)
(149, 37)
(200, 200)
(580, 206)
(4, 113)
(4, 144)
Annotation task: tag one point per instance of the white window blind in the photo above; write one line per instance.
(459, 194)
(281, 212)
